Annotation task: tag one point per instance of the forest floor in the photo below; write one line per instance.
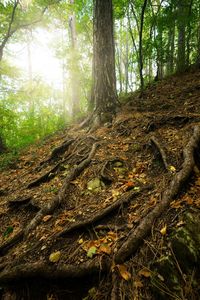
(94, 215)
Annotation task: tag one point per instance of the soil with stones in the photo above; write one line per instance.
(109, 214)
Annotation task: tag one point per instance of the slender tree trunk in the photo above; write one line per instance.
(74, 74)
(126, 64)
(182, 22)
(2, 145)
(141, 45)
(189, 31)
(105, 94)
(160, 54)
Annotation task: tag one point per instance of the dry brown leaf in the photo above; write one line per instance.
(105, 249)
(144, 272)
(47, 218)
(123, 272)
(176, 204)
(138, 284)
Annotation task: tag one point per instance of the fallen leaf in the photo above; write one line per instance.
(138, 284)
(47, 218)
(80, 241)
(180, 223)
(8, 231)
(176, 204)
(163, 231)
(123, 272)
(105, 248)
(144, 272)
(91, 252)
(54, 257)
(172, 169)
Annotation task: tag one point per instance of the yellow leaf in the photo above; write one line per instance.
(144, 272)
(80, 241)
(172, 169)
(55, 256)
(138, 284)
(123, 272)
(163, 231)
(176, 204)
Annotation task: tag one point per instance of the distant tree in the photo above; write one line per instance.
(182, 20)
(104, 78)
(74, 72)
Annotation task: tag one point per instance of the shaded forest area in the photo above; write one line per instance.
(104, 203)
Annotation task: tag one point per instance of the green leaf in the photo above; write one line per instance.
(91, 252)
(8, 231)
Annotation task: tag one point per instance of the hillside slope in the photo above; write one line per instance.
(112, 214)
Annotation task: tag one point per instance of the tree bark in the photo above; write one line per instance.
(182, 22)
(140, 44)
(105, 94)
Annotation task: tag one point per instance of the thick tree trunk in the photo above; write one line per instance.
(105, 94)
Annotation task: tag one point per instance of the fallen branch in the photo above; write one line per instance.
(161, 150)
(136, 236)
(47, 271)
(104, 212)
(49, 208)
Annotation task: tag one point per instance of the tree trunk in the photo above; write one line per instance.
(140, 44)
(170, 43)
(182, 22)
(160, 54)
(105, 94)
(189, 30)
(198, 40)
(2, 145)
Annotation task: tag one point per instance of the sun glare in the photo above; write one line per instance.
(41, 57)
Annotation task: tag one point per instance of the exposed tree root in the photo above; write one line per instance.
(45, 177)
(11, 242)
(58, 151)
(19, 201)
(49, 208)
(177, 120)
(49, 271)
(107, 179)
(115, 286)
(104, 212)
(137, 235)
(161, 150)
